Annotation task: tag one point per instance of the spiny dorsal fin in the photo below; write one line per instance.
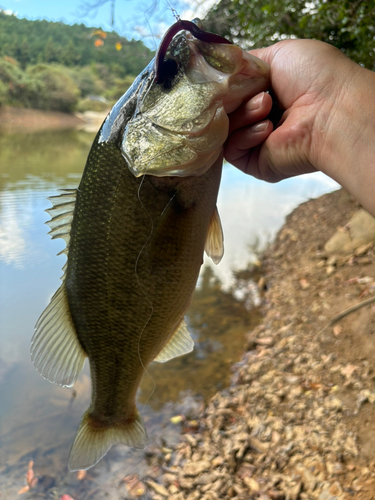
(214, 246)
(62, 215)
(55, 349)
(181, 343)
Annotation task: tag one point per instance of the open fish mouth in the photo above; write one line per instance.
(181, 122)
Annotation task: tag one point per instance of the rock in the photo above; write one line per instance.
(185, 483)
(195, 468)
(205, 478)
(176, 496)
(158, 488)
(360, 232)
(252, 484)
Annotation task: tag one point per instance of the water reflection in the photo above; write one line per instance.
(37, 419)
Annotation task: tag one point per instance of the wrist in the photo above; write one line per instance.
(345, 132)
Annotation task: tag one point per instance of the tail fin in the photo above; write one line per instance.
(92, 442)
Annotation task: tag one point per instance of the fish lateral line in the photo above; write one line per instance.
(182, 25)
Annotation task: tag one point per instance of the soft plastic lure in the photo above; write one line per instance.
(180, 25)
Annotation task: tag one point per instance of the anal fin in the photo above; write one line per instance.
(55, 348)
(181, 343)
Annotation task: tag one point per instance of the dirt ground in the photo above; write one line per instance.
(304, 291)
(302, 288)
(298, 421)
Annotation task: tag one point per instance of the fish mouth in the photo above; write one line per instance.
(181, 25)
(182, 122)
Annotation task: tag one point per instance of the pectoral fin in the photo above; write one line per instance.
(214, 246)
(55, 349)
(181, 343)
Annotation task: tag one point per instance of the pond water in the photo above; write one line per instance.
(37, 419)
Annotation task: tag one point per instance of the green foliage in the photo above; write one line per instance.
(92, 105)
(350, 26)
(16, 86)
(119, 87)
(54, 66)
(56, 90)
(33, 42)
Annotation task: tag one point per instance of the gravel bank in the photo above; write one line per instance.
(298, 421)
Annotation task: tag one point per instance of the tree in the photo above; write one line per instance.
(349, 25)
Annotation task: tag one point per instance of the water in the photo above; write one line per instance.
(37, 419)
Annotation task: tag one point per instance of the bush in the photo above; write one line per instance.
(4, 96)
(56, 90)
(119, 88)
(87, 80)
(93, 105)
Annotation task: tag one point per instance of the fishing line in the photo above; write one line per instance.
(152, 6)
(143, 291)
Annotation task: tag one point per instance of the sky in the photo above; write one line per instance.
(134, 18)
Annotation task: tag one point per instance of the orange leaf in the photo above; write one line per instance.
(29, 476)
(98, 43)
(100, 33)
(81, 474)
(23, 490)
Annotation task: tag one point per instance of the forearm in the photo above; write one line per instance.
(348, 149)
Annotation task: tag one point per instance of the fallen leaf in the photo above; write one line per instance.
(81, 474)
(177, 419)
(138, 489)
(24, 490)
(29, 476)
(33, 482)
(337, 329)
(348, 370)
(304, 284)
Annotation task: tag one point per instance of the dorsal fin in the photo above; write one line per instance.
(214, 246)
(61, 216)
(181, 343)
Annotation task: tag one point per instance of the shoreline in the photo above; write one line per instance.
(24, 120)
(297, 422)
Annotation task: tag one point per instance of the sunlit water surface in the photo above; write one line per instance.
(37, 419)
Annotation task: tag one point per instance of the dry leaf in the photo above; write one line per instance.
(29, 476)
(348, 370)
(138, 489)
(24, 489)
(304, 284)
(177, 419)
(337, 329)
(81, 474)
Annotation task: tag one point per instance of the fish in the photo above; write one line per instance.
(136, 229)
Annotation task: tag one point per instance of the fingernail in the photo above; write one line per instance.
(256, 101)
(260, 127)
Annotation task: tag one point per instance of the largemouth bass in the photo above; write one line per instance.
(136, 229)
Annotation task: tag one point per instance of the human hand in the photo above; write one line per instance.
(308, 79)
